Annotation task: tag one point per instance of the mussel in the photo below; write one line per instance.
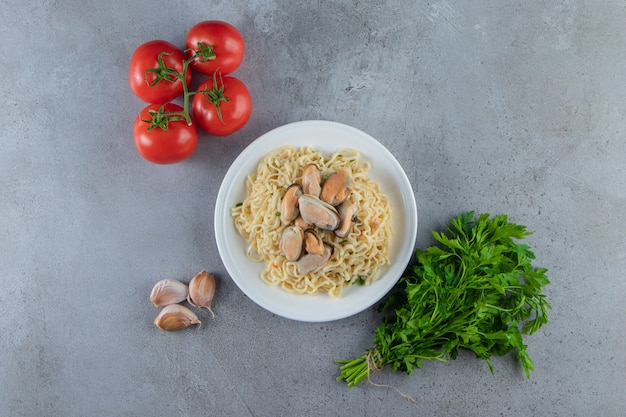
(289, 204)
(312, 180)
(292, 242)
(337, 187)
(347, 210)
(313, 242)
(318, 213)
(311, 263)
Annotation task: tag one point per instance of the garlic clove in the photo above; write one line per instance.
(175, 317)
(168, 291)
(202, 290)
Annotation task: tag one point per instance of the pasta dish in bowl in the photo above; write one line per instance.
(315, 221)
(355, 256)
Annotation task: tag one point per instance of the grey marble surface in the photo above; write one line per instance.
(493, 106)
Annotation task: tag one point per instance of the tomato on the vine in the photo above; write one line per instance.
(161, 140)
(153, 81)
(222, 105)
(218, 46)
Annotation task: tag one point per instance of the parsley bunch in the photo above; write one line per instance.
(474, 291)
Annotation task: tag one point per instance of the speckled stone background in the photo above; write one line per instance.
(504, 107)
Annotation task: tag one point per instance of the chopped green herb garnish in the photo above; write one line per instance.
(360, 280)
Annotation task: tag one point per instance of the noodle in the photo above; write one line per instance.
(356, 258)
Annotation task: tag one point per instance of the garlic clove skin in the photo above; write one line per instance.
(168, 291)
(202, 290)
(175, 317)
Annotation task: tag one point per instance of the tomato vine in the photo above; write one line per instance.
(160, 72)
(161, 118)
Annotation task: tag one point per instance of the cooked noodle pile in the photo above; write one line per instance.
(356, 258)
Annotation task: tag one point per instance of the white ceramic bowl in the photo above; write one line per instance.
(327, 137)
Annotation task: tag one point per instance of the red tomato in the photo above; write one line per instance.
(220, 39)
(146, 57)
(164, 146)
(234, 102)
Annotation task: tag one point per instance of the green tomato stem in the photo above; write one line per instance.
(215, 96)
(162, 72)
(204, 53)
(183, 78)
(161, 119)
